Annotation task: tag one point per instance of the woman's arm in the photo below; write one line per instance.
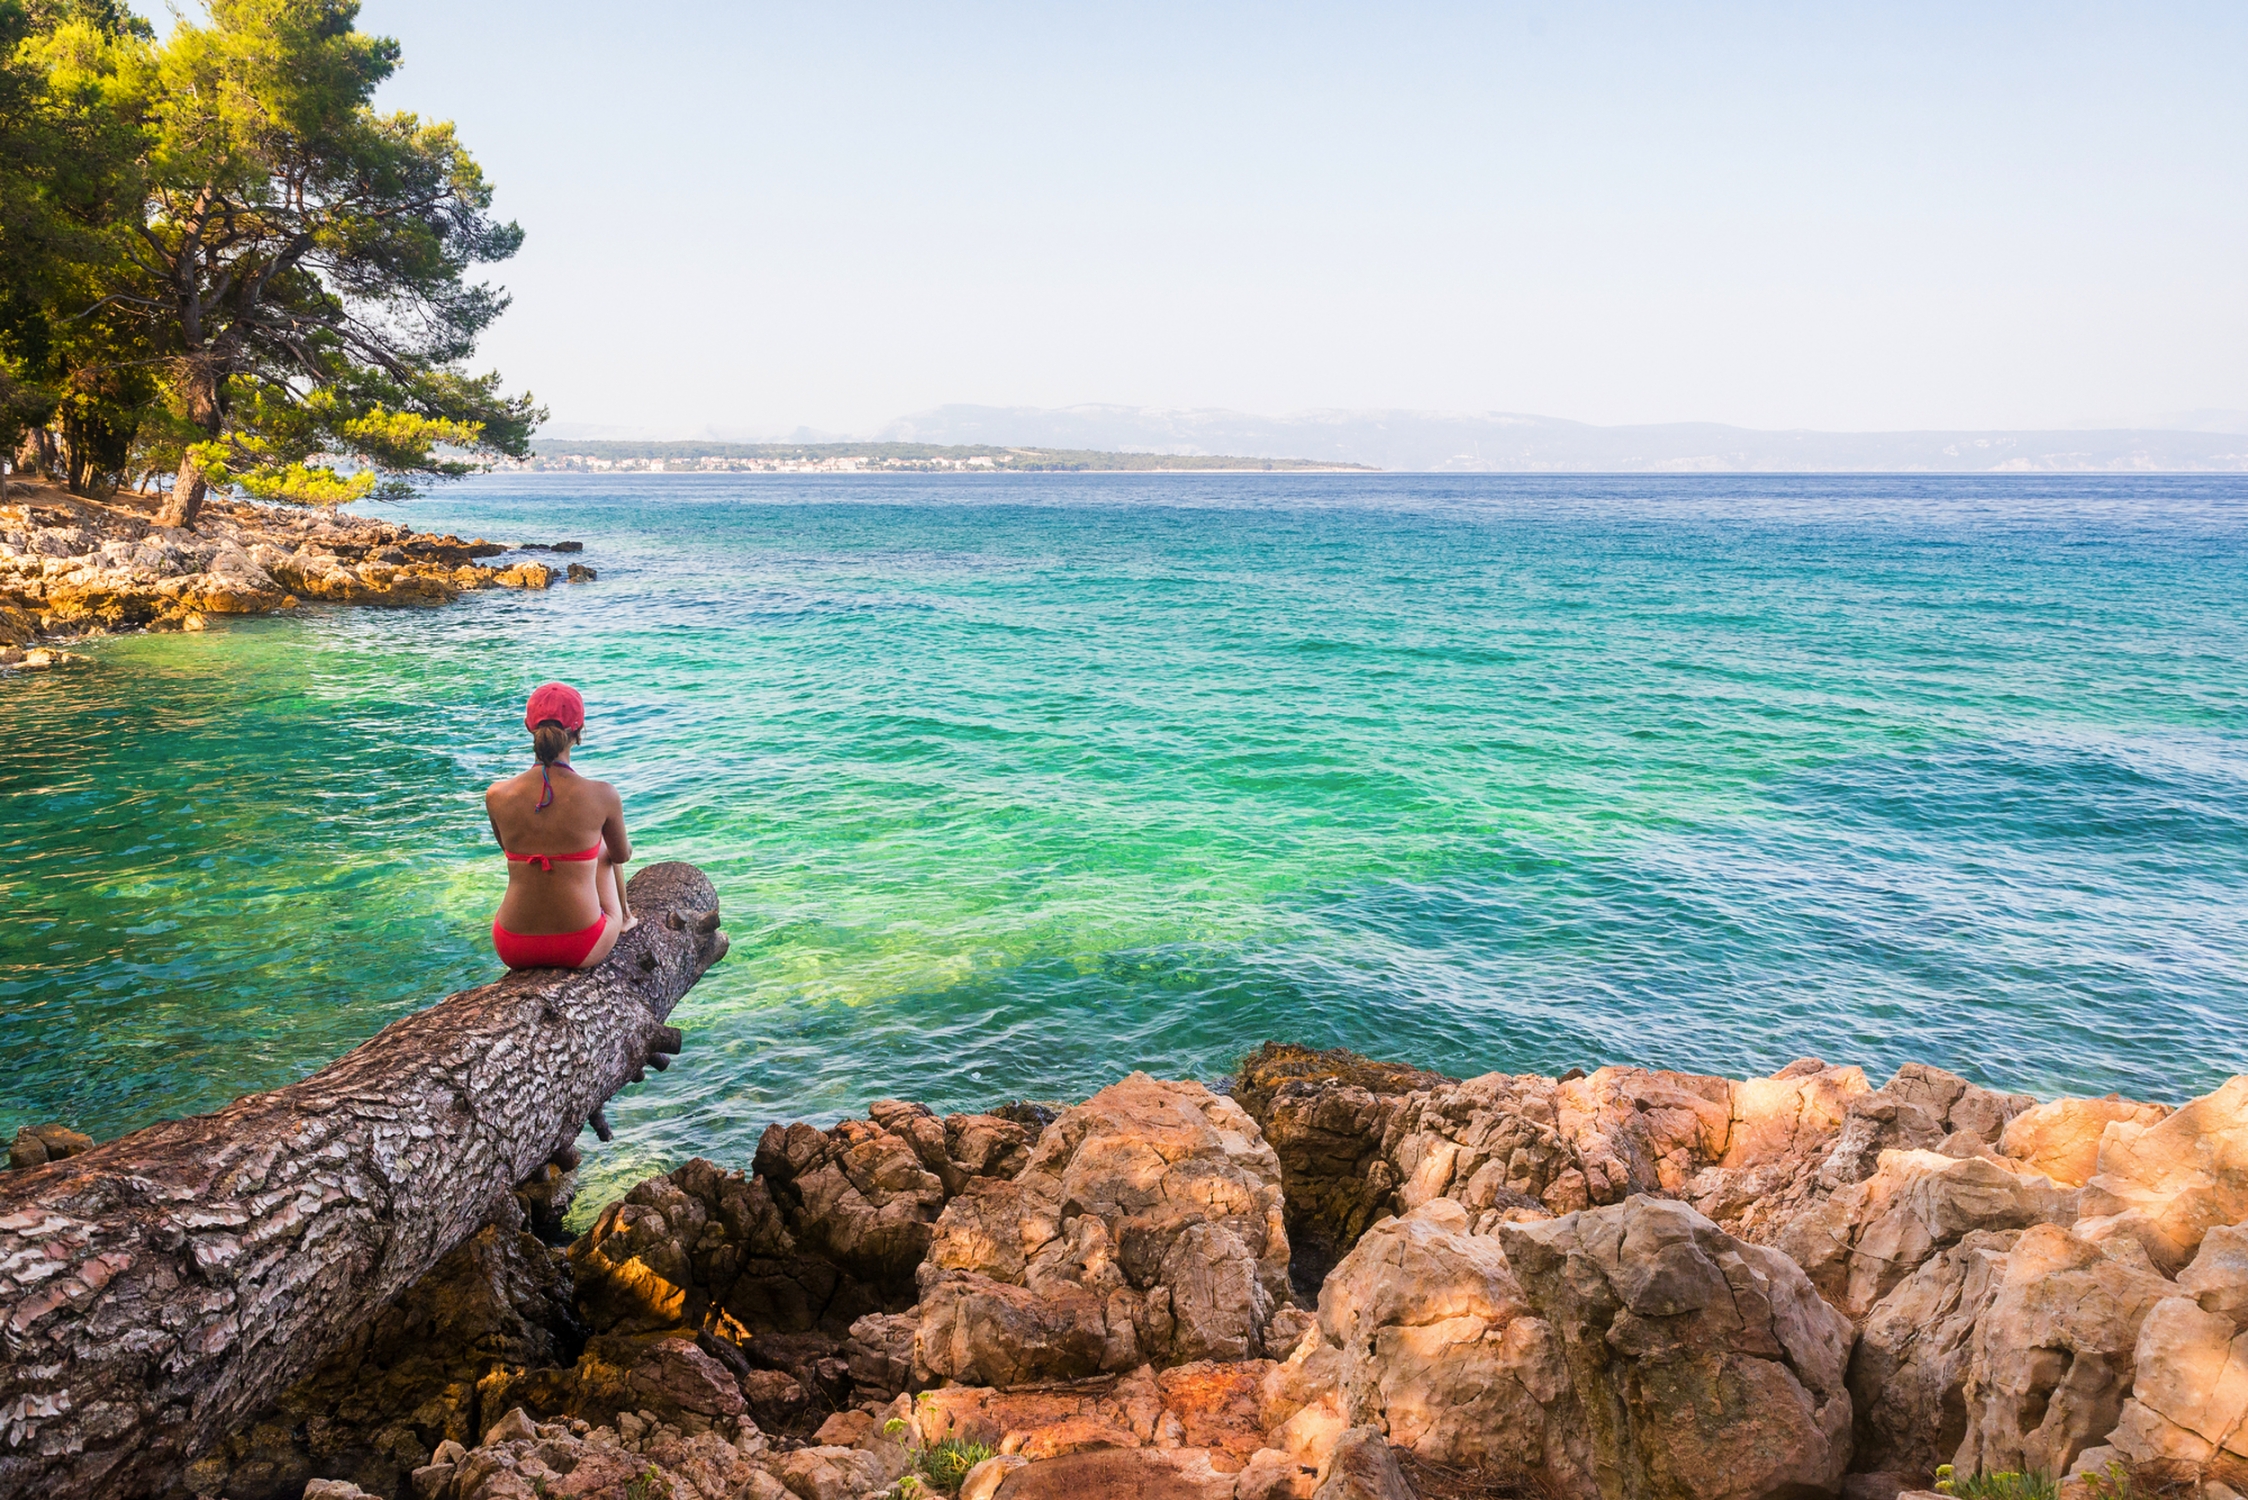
(612, 830)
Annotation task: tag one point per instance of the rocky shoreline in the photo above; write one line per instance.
(1339, 1280)
(72, 566)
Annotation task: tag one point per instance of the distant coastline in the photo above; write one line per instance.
(1409, 441)
(687, 457)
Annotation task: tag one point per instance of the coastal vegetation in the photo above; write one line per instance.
(582, 455)
(220, 263)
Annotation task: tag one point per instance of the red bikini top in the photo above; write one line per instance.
(546, 861)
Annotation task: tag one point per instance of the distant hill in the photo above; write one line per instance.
(1499, 442)
(611, 455)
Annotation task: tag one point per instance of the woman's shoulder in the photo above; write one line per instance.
(504, 785)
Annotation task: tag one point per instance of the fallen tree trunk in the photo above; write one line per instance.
(157, 1290)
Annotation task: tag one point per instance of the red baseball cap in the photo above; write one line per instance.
(557, 701)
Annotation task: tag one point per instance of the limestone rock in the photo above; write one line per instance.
(2169, 1183)
(2188, 1411)
(1908, 1371)
(784, 1265)
(1862, 1240)
(983, 1481)
(1146, 1228)
(1217, 1408)
(1120, 1474)
(832, 1473)
(1440, 1348)
(70, 564)
(879, 1349)
(2053, 1354)
(564, 1461)
(1271, 1474)
(1362, 1469)
(1358, 1139)
(663, 1376)
(2062, 1139)
(1706, 1366)
(1325, 1114)
(1919, 1108)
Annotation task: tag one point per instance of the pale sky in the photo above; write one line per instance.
(747, 217)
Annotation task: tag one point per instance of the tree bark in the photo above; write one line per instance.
(185, 502)
(158, 1290)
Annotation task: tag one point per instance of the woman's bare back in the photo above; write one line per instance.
(558, 895)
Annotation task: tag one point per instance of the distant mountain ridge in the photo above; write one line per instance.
(1501, 442)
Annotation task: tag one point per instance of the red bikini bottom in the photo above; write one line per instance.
(547, 950)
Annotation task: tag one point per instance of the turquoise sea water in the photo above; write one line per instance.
(1012, 784)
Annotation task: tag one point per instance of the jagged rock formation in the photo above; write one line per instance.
(1145, 1228)
(1706, 1368)
(1628, 1284)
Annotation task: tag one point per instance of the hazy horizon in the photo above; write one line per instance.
(2205, 421)
(759, 219)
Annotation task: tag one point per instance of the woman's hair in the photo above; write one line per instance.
(550, 739)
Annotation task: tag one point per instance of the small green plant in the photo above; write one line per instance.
(2113, 1483)
(948, 1460)
(2004, 1485)
(648, 1484)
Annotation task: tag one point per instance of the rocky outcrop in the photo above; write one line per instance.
(1767, 1289)
(1506, 1143)
(1146, 1228)
(2061, 1139)
(1919, 1108)
(1325, 1114)
(792, 1271)
(1908, 1371)
(520, 1459)
(2167, 1184)
(2187, 1416)
(1707, 1368)
(2053, 1353)
(1863, 1240)
(70, 565)
(1429, 1336)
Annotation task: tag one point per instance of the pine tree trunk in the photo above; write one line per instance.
(157, 1290)
(185, 502)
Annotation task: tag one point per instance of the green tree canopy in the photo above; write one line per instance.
(291, 267)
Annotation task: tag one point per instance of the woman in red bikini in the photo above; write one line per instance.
(564, 838)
